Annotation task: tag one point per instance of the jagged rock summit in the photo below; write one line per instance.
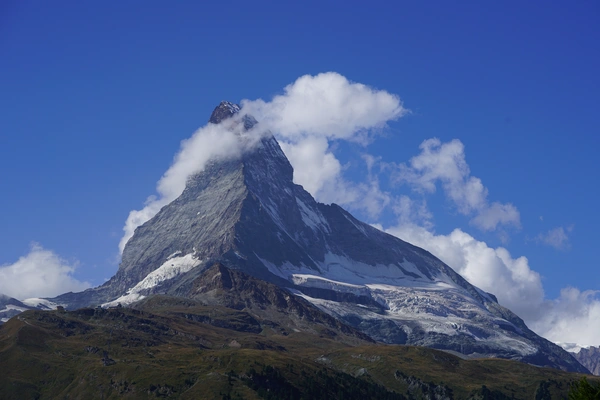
(247, 214)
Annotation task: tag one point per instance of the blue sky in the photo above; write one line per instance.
(97, 98)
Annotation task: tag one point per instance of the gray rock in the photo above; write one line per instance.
(589, 358)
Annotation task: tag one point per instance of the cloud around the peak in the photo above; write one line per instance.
(445, 164)
(326, 105)
(572, 317)
(309, 114)
(315, 111)
(209, 142)
(40, 273)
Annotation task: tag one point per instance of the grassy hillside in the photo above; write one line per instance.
(185, 350)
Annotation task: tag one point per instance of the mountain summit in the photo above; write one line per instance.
(247, 214)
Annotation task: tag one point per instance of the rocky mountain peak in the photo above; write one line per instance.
(226, 110)
(223, 111)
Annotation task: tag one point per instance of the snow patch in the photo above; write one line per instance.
(312, 219)
(572, 347)
(174, 254)
(357, 226)
(42, 304)
(342, 268)
(168, 270)
(324, 283)
(423, 311)
(13, 307)
(125, 299)
(410, 299)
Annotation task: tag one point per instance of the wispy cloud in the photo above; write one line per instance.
(445, 163)
(557, 238)
(40, 273)
(213, 141)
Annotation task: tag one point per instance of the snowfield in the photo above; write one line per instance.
(170, 269)
(411, 300)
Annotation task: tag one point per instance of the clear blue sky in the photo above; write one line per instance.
(96, 97)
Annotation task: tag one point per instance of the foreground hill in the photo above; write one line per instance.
(182, 348)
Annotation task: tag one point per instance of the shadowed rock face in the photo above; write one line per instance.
(589, 358)
(248, 215)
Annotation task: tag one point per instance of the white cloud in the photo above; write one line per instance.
(326, 105)
(40, 273)
(557, 238)
(494, 270)
(411, 212)
(573, 317)
(311, 112)
(445, 163)
(490, 216)
(316, 110)
(315, 167)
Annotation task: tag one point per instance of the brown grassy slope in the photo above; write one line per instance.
(194, 351)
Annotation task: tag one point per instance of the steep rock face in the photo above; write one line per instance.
(590, 358)
(247, 214)
(219, 285)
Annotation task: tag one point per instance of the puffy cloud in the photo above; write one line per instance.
(572, 317)
(490, 216)
(494, 270)
(311, 112)
(316, 110)
(326, 105)
(315, 167)
(445, 163)
(557, 238)
(40, 273)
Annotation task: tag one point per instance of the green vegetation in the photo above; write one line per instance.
(583, 390)
(190, 351)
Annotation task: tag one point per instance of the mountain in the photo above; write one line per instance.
(589, 357)
(247, 215)
(9, 307)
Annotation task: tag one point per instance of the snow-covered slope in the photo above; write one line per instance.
(9, 307)
(173, 267)
(249, 215)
